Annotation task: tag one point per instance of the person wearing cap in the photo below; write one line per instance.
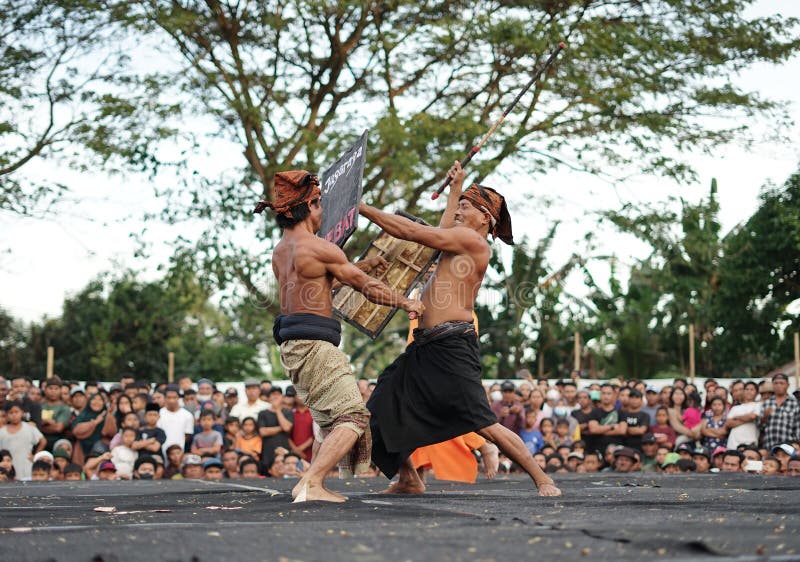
(309, 335)
(205, 389)
(192, 467)
(77, 401)
(231, 399)
(252, 406)
(702, 459)
(445, 352)
(649, 451)
(106, 471)
(669, 466)
(508, 409)
(626, 460)
(652, 403)
(212, 469)
(574, 460)
(784, 453)
(742, 419)
(780, 420)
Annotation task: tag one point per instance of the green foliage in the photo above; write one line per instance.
(120, 324)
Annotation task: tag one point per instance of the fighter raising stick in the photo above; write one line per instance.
(305, 267)
(433, 391)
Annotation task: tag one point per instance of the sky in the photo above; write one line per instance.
(48, 259)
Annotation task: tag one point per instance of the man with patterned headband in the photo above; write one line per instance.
(433, 391)
(305, 267)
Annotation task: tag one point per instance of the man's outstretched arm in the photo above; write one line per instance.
(456, 240)
(457, 175)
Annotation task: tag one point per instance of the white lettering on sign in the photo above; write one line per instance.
(330, 181)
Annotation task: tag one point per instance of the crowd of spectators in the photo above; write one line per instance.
(63, 430)
(629, 426)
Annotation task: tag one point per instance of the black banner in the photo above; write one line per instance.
(341, 194)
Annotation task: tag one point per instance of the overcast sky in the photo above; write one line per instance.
(49, 259)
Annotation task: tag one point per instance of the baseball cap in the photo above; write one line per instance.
(575, 455)
(189, 460)
(107, 465)
(205, 381)
(251, 382)
(651, 389)
(718, 451)
(634, 393)
(626, 452)
(766, 386)
(508, 386)
(76, 390)
(701, 451)
(670, 458)
(62, 444)
(62, 454)
(212, 462)
(786, 448)
(116, 387)
(231, 392)
(684, 447)
(291, 391)
(152, 407)
(648, 438)
(43, 456)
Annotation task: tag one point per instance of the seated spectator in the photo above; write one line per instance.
(563, 451)
(248, 468)
(686, 465)
(793, 467)
(93, 423)
(562, 433)
(665, 435)
(107, 471)
(230, 464)
(649, 451)
(661, 454)
(732, 461)
(541, 460)
(61, 458)
(192, 468)
(40, 471)
(174, 461)
(547, 430)
(144, 468)
(293, 466)
(669, 466)
(784, 453)
(249, 441)
(592, 462)
(626, 460)
(702, 460)
(231, 433)
(574, 460)
(772, 467)
(716, 458)
(554, 460)
(159, 460)
(685, 450)
(212, 469)
(73, 472)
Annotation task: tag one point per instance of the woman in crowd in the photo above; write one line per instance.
(547, 429)
(676, 411)
(92, 424)
(124, 407)
(535, 403)
(7, 464)
(174, 461)
(712, 429)
(249, 441)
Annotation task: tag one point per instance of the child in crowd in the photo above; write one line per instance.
(693, 414)
(249, 441)
(665, 435)
(209, 440)
(562, 436)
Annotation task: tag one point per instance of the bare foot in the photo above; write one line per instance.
(300, 486)
(317, 493)
(405, 488)
(491, 460)
(549, 489)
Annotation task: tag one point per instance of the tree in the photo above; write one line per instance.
(120, 324)
(759, 279)
(66, 94)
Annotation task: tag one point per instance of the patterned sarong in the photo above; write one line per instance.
(324, 380)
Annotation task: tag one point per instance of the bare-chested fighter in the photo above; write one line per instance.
(433, 391)
(305, 267)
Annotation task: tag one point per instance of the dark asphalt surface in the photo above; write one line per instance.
(600, 517)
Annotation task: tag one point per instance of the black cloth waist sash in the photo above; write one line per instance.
(432, 392)
(304, 326)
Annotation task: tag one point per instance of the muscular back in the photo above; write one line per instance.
(304, 281)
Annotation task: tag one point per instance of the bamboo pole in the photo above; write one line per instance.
(171, 367)
(50, 358)
(577, 352)
(797, 360)
(691, 352)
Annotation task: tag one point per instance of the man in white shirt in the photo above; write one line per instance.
(742, 420)
(177, 423)
(253, 405)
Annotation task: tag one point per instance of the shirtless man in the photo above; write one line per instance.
(306, 267)
(433, 391)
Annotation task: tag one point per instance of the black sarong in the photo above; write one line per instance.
(304, 326)
(431, 393)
